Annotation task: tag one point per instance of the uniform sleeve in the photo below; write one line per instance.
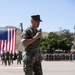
(24, 36)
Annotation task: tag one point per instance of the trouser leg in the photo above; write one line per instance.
(37, 68)
(27, 68)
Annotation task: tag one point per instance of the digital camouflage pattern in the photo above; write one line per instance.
(31, 54)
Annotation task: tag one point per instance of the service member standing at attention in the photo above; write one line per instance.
(31, 45)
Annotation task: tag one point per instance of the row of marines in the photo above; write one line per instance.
(59, 57)
(8, 58)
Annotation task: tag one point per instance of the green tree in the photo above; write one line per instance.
(53, 41)
(56, 41)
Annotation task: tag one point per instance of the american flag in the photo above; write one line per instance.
(7, 40)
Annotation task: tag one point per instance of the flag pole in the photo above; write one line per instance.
(21, 25)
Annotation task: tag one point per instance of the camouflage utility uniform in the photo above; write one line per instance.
(31, 54)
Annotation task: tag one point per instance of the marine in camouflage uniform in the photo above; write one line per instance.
(19, 57)
(31, 53)
(3, 58)
(11, 57)
(8, 59)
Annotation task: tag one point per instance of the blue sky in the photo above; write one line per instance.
(54, 13)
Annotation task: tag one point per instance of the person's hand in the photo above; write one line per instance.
(38, 35)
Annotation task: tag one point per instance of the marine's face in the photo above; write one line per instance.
(35, 23)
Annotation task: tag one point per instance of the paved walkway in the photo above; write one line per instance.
(49, 68)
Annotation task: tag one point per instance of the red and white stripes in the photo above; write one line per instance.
(9, 44)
